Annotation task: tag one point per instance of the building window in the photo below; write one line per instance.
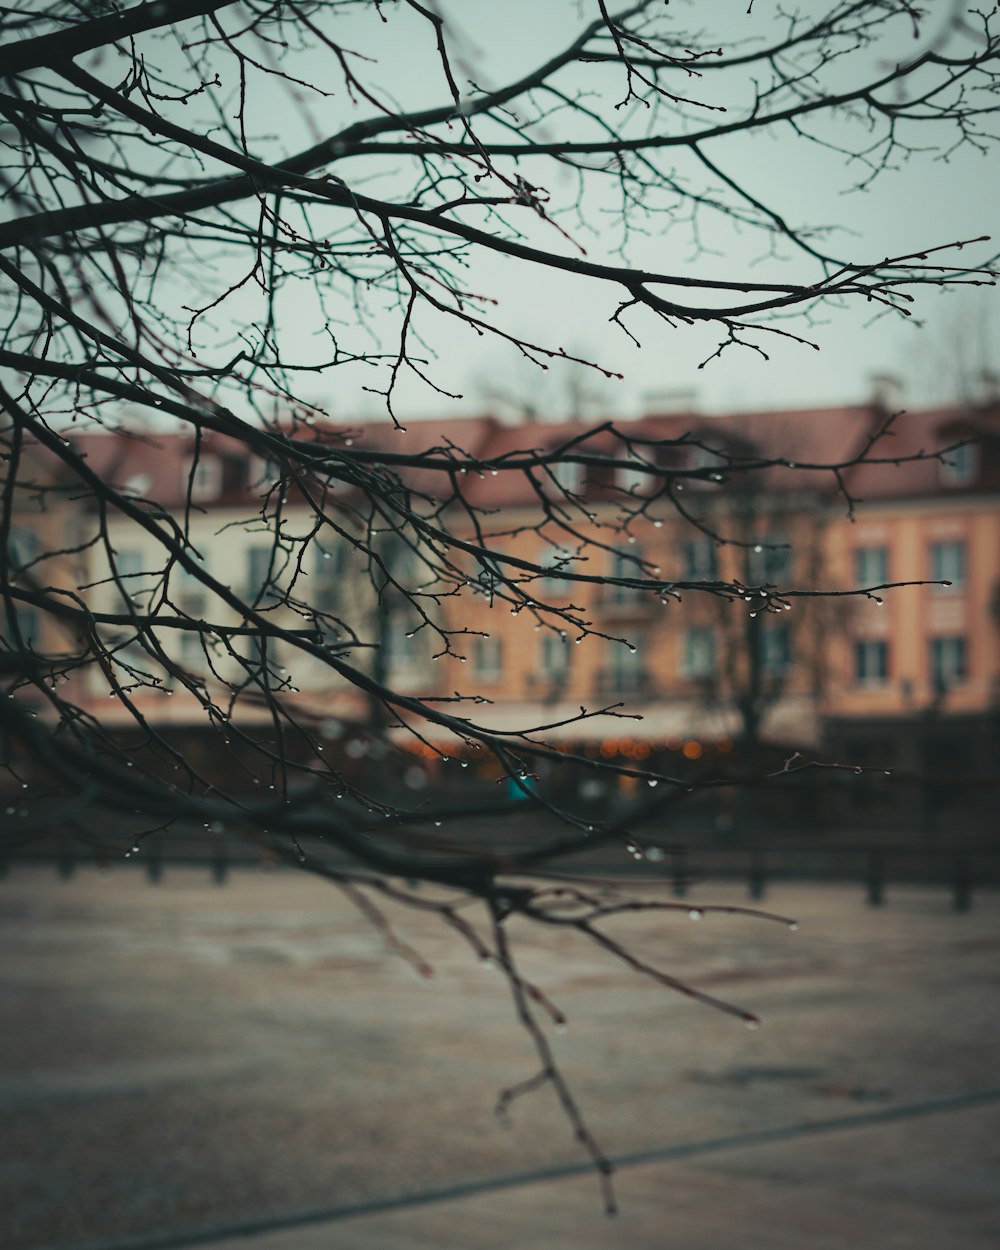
(401, 562)
(634, 479)
(556, 558)
(189, 594)
(772, 565)
(699, 653)
(128, 562)
(699, 559)
(406, 647)
(625, 562)
(129, 567)
(135, 662)
(206, 480)
(567, 475)
(262, 474)
(775, 648)
(330, 569)
(555, 656)
(489, 577)
(256, 651)
(871, 661)
(871, 566)
(960, 464)
(948, 666)
(27, 624)
(706, 458)
(192, 649)
(23, 547)
(487, 658)
(625, 673)
(948, 564)
(260, 572)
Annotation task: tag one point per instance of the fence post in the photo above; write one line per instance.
(876, 878)
(680, 875)
(962, 893)
(758, 875)
(154, 868)
(220, 866)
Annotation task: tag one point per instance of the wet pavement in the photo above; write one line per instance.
(187, 1063)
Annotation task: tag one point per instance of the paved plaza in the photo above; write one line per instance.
(247, 1067)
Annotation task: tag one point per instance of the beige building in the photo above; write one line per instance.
(777, 502)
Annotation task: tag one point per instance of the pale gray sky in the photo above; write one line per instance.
(923, 203)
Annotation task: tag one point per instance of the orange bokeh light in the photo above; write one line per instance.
(691, 750)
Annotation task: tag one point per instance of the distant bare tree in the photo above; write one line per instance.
(963, 363)
(770, 532)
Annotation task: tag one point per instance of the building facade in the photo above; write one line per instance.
(623, 660)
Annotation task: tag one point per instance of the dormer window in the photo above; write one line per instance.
(206, 480)
(567, 475)
(139, 484)
(22, 547)
(263, 473)
(959, 465)
(634, 479)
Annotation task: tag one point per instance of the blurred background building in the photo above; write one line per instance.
(904, 679)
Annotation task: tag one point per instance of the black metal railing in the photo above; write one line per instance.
(610, 681)
(875, 869)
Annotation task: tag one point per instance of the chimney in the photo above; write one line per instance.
(989, 386)
(671, 401)
(886, 391)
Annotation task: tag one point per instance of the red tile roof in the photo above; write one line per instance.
(154, 465)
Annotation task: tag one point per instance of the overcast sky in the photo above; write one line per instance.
(926, 202)
(921, 204)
